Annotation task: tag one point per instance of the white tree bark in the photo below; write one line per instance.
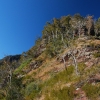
(75, 62)
(56, 34)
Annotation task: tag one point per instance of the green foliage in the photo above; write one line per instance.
(16, 82)
(50, 50)
(38, 41)
(2, 95)
(78, 17)
(65, 21)
(63, 94)
(81, 67)
(96, 55)
(23, 65)
(14, 94)
(54, 48)
(32, 90)
(32, 53)
(92, 91)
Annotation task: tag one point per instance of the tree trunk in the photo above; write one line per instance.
(63, 40)
(56, 34)
(64, 62)
(89, 31)
(62, 37)
(53, 35)
(79, 32)
(73, 34)
(75, 62)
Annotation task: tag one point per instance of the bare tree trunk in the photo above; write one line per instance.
(75, 62)
(62, 37)
(53, 35)
(64, 62)
(73, 34)
(56, 34)
(79, 32)
(89, 30)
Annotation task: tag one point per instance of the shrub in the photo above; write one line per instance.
(96, 55)
(81, 67)
(24, 64)
(91, 91)
(32, 90)
(14, 94)
(54, 48)
(63, 94)
(2, 95)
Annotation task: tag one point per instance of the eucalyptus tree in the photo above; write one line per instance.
(65, 23)
(65, 28)
(47, 32)
(77, 22)
(59, 30)
(56, 26)
(90, 24)
(97, 27)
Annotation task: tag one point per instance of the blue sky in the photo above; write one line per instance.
(22, 21)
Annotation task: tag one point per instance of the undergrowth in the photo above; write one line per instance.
(23, 65)
(92, 91)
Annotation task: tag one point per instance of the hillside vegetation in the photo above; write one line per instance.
(64, 64)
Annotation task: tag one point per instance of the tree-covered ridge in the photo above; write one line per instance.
(61, 30)
(71, 25)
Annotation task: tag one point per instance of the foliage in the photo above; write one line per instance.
(14, 94)
(63, 94)
(32, 90)
(54, 48)
(64, 76)
(96, 55)
(23, 65)
(81, 67)
(92, 91)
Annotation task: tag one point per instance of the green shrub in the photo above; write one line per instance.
(2, 95)
(32, 90)
(81, 67)
(14, 94)
(96, 55)
(63, 94)
(92, 91)
(23, 65)
(54, 48)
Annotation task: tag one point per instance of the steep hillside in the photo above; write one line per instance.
(64, 64)
(56, 78)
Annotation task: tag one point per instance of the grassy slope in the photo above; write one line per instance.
(52, 82)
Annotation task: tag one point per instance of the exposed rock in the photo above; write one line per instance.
(80, 94)
(35, 64)
(89, 64)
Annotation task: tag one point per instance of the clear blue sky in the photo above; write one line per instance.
(22, 21)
